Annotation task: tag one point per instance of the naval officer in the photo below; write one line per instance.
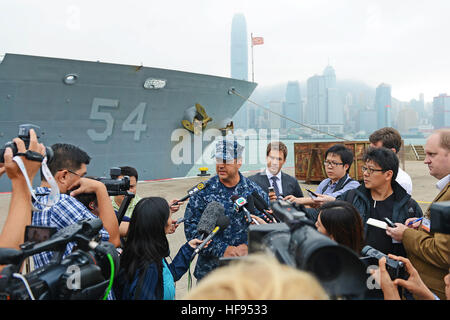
(229, 182)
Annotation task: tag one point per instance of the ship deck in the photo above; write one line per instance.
(424, 192)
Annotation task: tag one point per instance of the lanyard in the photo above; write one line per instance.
(54, 194)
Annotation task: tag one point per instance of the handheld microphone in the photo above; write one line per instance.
(209, 218)
(222, 223)
(240, 205)
(192, 191)
(262, 206)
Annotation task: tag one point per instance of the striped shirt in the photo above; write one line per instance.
(65, 212)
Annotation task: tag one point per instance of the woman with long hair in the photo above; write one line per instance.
(340, 221)
(144, 272)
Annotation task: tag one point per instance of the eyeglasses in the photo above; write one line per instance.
(371, 170)
(331, 164)
(81, 176)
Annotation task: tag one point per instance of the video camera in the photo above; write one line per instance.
(24, 135)
(396, 269)
(297, 243)
(440, 217)
(87, 273)
(118, 187)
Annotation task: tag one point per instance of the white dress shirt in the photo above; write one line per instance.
(278, 175)
(443, 182)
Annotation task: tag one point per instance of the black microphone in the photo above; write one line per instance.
(222, 223)
(209, 218)
(262, 206)
(198, 187)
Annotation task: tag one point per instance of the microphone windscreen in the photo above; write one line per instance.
(234, 197)
(259, 201)
(209, 217)
(250, 204)
(223, 222)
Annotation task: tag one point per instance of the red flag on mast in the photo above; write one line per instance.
(257, 41)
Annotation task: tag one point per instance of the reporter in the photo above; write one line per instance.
(145, 274)
(340, 221)
(19, 213)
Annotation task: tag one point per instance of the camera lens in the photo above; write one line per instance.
(325, 264)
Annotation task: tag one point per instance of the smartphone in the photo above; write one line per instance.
(311, 194)
(389, 223)
(271, 189)
(38, 233)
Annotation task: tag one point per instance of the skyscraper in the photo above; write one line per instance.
(323, 105)
(239, 63)
(383, 105)
(293, 108)
(441, 111)
(316, 100)
(239, 48)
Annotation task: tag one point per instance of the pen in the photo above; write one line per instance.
(412, 222)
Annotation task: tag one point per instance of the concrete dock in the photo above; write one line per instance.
(424, 191)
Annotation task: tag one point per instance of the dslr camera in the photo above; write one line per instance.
(86, 274)
(24, 135)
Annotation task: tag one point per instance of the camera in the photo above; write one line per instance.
(440, 217)
(118, 187)
(396, 269)
(297, 243)
(24, 135)
(114, 185)
(87, 273)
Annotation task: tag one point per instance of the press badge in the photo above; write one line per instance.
(426, 224)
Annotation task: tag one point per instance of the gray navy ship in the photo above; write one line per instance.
(119, 114)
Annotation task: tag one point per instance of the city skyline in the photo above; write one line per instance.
(401, 43)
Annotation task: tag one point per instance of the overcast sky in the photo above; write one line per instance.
(403, 43)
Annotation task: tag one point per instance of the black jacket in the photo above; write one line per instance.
(405, 207)
(289, 184)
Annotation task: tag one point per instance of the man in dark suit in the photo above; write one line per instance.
(282, 183)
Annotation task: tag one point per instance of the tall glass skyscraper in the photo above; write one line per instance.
(323, 105)
(239, 63)
(383, 105)
(239, 48)
(293, 108)
(441, 111)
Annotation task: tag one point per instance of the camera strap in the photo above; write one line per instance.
(53, 197)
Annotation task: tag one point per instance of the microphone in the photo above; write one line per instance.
(209, 218)
(240, 205)
(192, 191)
(262, 206)
(222, 223)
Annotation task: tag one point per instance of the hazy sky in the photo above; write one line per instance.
(403, 43)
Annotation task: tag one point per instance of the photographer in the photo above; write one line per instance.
(19, 214)
(68, 168)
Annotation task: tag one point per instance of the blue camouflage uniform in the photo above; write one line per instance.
(236, 233)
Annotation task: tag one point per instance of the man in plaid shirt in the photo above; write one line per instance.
(68, 167)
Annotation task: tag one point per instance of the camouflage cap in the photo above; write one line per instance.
(228, 150)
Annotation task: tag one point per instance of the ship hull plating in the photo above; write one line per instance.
(105, 109)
